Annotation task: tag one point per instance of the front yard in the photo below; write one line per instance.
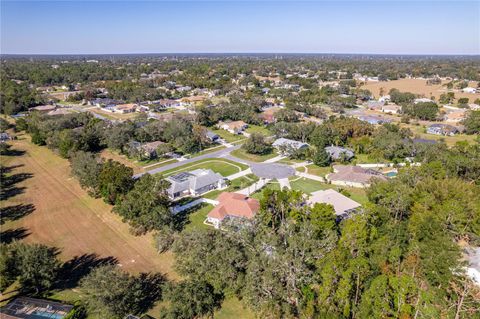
(242, 154)
(219, 165)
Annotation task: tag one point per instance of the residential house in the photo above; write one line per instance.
(268, 116)
(353, 176)
(61, 111)
(384, 99)
(442, 129)
(374, 119)
(43, 108)
(455, 116)
(374, 105)
(124, 108)
(287, 146)
(339, 153)
(192, 100)
(213, 137)
(194, 183)
(31, 308)
(391, 109)
(232, 207)
(103, 102)
(469, 90)
(422, 100)
(147, 150)
(234, 127)
(342, 205)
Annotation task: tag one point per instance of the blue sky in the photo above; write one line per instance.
(403, 27)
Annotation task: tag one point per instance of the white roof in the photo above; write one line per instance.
(341, 203)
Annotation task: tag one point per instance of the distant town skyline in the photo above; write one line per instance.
(358, 27)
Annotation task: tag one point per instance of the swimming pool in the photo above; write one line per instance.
(45, 314)
(391, 174)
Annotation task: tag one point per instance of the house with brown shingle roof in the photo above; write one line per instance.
(234, 127)
(232, 206)
(353, 176)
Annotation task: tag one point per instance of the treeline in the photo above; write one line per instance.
(82, 132)
(399, 258)
(78, 137)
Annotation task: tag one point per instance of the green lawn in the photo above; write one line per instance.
(227, 136)
(197, 215)
(242, 154)
(307, 185)
(235, 185)
(273, 185)
(233, 308)
(258, 129)
(319, 171)
(219, 165)
(208, 150)
(157, 162)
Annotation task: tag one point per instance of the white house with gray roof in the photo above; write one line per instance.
(286, 146)
(337, 153)
(194, 183)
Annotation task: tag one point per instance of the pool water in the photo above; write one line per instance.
(45, 314)
(391, 174)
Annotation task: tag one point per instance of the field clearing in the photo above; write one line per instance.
(219, 165)
(66, 217)
(417, 86)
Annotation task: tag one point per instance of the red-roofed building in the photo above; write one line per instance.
(232, 206)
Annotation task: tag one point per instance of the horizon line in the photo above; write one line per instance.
(242, 53)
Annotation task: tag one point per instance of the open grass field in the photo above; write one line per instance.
(417, 86)
(258, 129)
(219, 165)
(227, 136)
(307, 185)
(317, 170)
(66, 217)
(242, 154)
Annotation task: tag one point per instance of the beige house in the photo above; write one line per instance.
(342, 205)
(234, 127)
(353, 176)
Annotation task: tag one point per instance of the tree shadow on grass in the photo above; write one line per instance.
(78, 267)
(15, 212)
(8, 188)
(10, 235)
(8, 169)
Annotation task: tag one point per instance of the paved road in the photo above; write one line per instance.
(218, 154)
